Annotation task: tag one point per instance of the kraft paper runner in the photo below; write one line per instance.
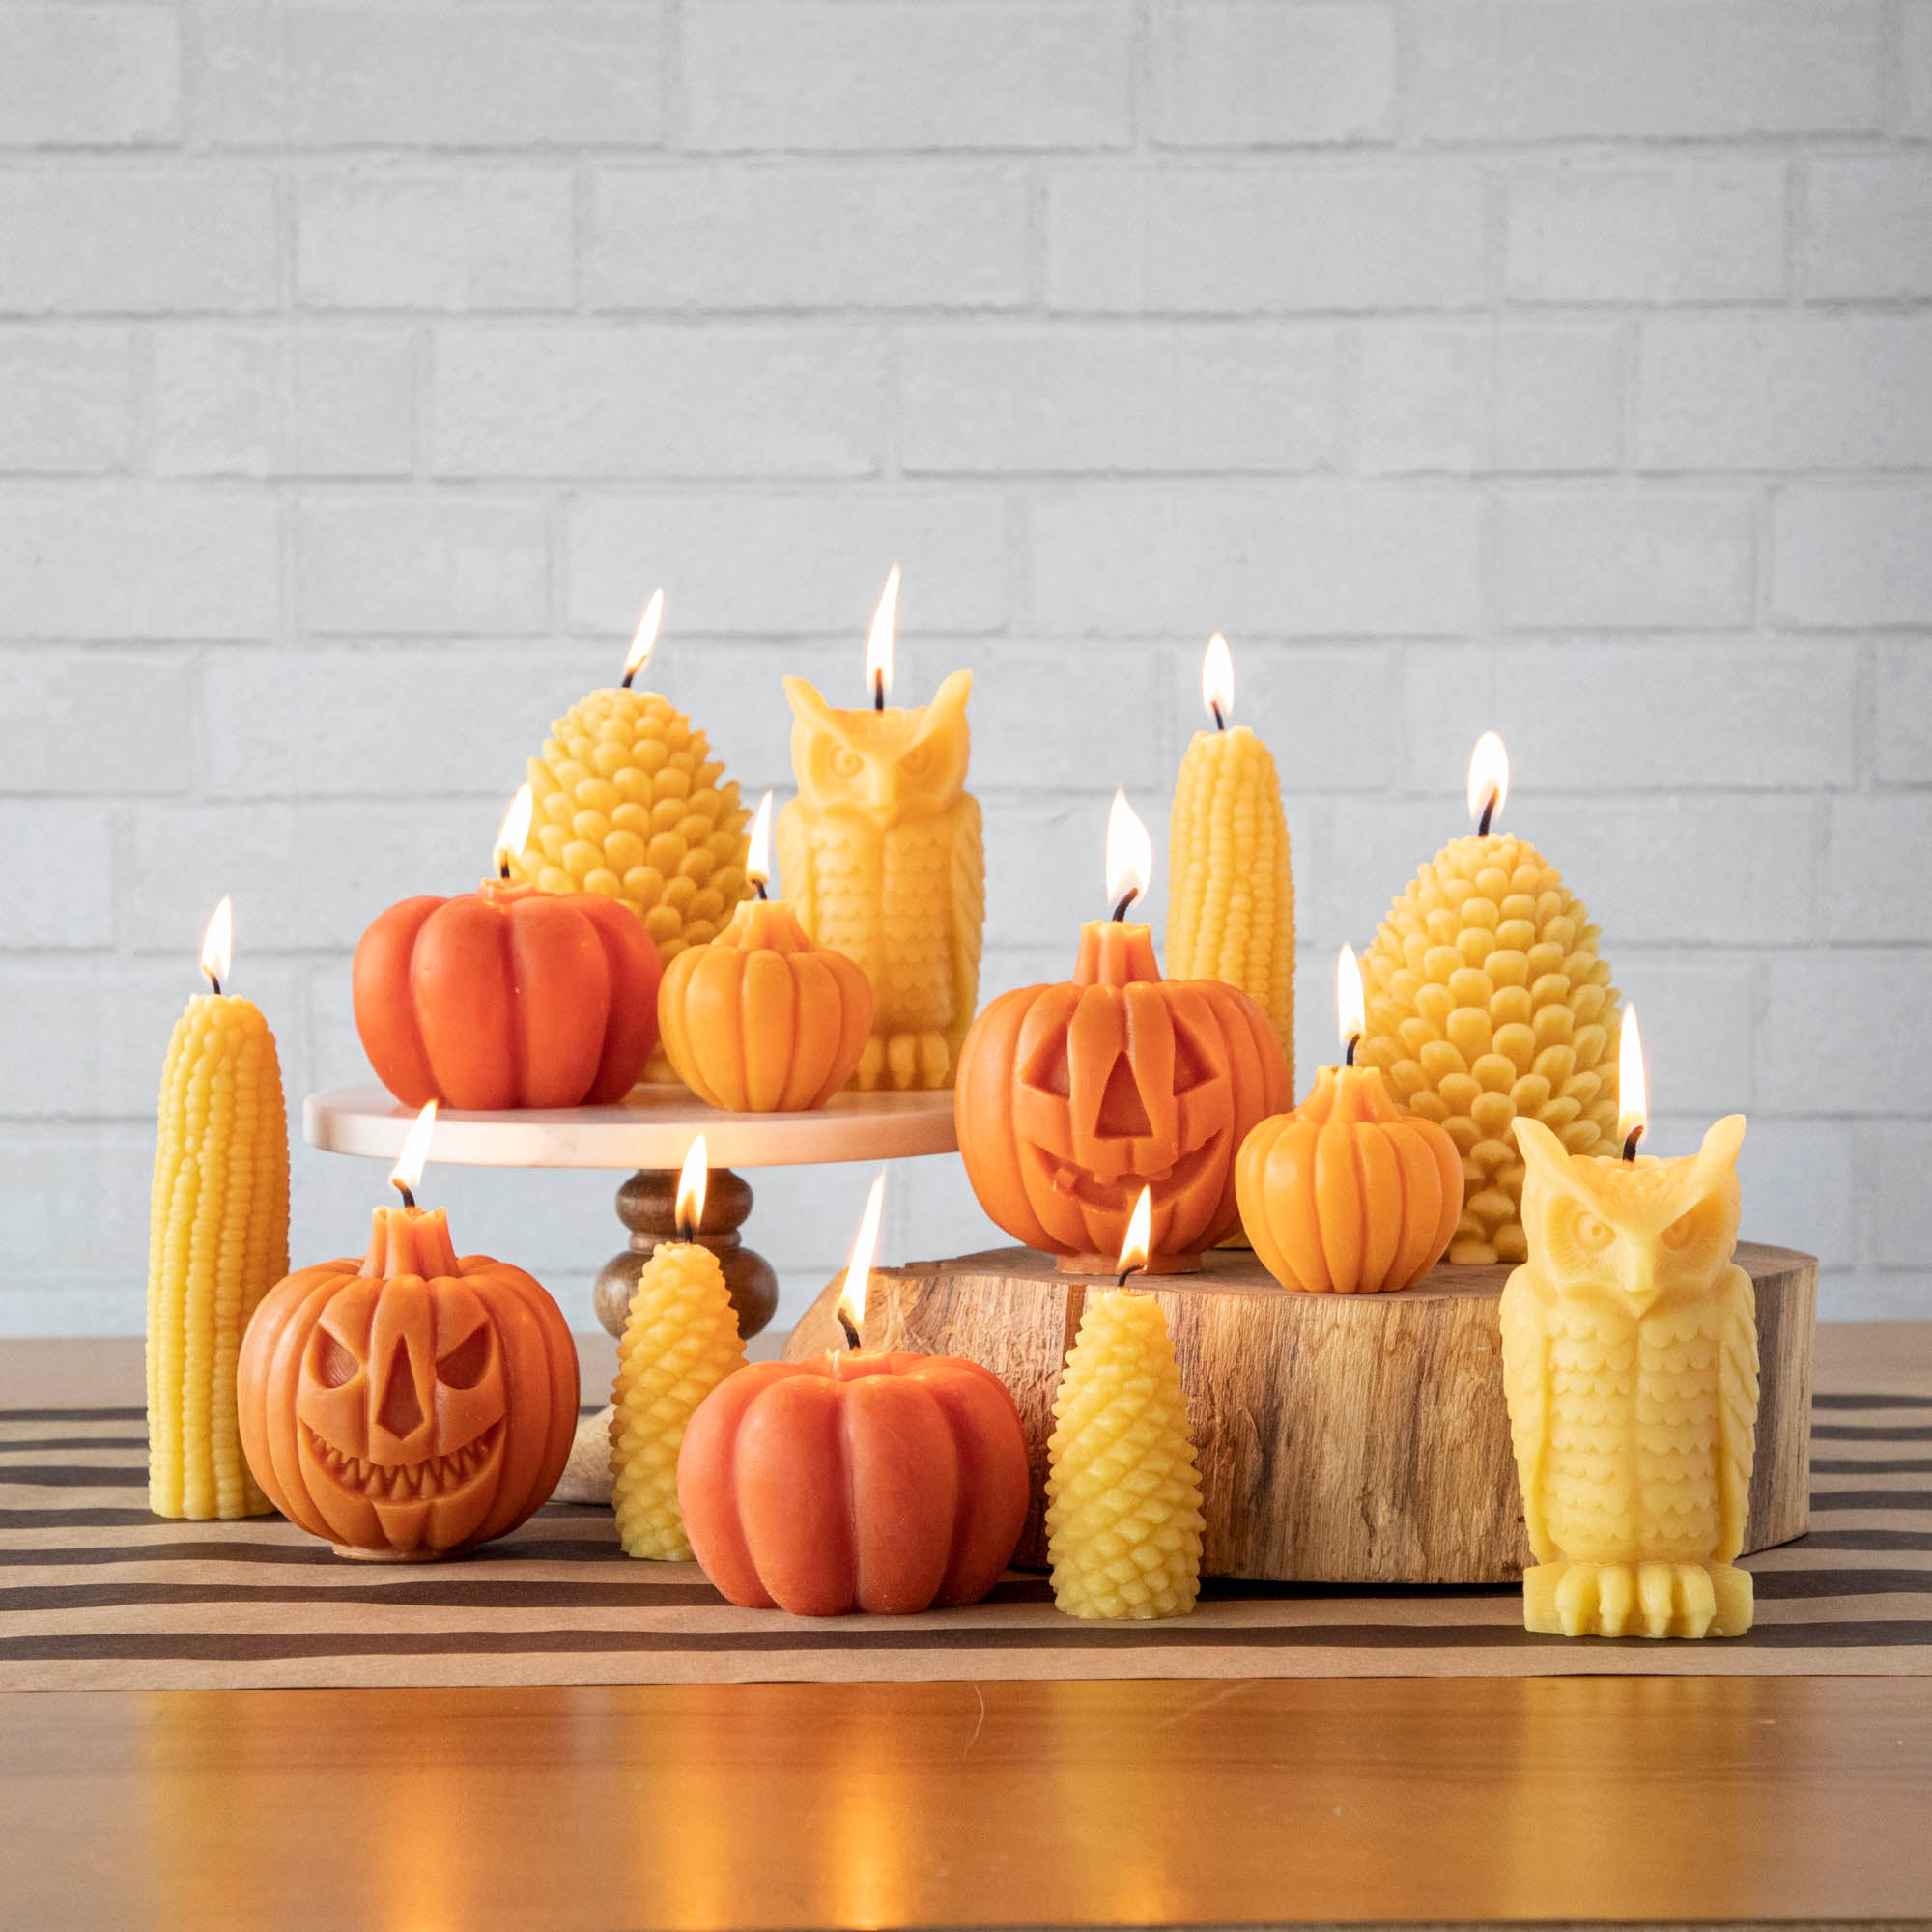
(98, 1594)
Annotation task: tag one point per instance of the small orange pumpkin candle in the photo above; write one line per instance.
(1073, 1097)
(857, 1481)
(1348, 1195)
(762, 1020)
(508, 997)
(411, 1405)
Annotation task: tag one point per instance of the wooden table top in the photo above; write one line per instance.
(1488, 1801)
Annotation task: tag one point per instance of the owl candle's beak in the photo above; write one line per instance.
(1639, 1275)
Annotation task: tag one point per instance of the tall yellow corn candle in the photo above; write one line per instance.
(1231, 900)
(218, 1239)
(680, 1341)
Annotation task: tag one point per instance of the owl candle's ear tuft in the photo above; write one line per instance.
(1543, 1153)
(953, 692)
(807, 706)
(1722, 1142)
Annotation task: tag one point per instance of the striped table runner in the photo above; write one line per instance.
(94, 1593)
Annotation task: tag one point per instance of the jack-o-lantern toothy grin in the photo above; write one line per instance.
(406, 1481)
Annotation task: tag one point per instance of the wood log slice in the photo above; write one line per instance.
(1342, 1439)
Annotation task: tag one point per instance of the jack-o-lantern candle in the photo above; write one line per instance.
(1073, 1097)
(509, 997)
(855, 1481)
(1347, 1194)
(411, 1404)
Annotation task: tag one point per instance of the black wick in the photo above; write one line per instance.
(878, 691)
(629, 676)
(1349, 1053)
(1631, 1140)
(1220, 722)
(845, 1322)
(761, 884)
(503, 869)
(402, 1187)
(1126, 900)
(215, 982)
(1489, 813)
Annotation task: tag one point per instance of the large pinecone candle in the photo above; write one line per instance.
(631, 804)
(1123, 1518)
(1488, 998)
(680, 1341)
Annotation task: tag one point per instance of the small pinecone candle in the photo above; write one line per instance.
(630, 803)
(680, 1341)
(1487, 999)
(1123, 1518)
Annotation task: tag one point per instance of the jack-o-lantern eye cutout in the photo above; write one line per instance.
(331, 1363)
(462, 1367)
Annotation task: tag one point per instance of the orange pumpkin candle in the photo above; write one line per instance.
(762, 1020)
(1347, 1194)
(858, 1480)
(509, 997)
(412, 1404)
(1072, 1098)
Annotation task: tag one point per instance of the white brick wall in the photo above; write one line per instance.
(1564, 365)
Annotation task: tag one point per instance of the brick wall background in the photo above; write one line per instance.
(1563, 365)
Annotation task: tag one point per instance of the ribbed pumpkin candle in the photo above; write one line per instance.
(680, 1341)
(1123, 1519)
(1231, 896)
(219, 1240)
(1489, 1001)
(630, 804)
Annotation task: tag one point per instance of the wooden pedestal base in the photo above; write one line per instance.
(647, 1206)
(1345, 1438)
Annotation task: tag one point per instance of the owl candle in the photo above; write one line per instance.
(883, 857)
(1231, 895)
(1630, 1362)
(411, 1404)
(762, 1020)
(1488, 1002)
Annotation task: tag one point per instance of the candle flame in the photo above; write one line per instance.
(408, 1171)
(1350, 1006)
(879, 645)
(1129, 854)
(1140, 1231)
(1633, 1083)
(218, 944)
(691, 1178)
(1488, 775)
(1217, 678)
(758, 860)
(646, 641)
(515, 833)
(865, 1245)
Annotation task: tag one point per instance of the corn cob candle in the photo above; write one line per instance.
(1123, 1518)
(680, 1341)
(219, 1240)
(1487, 1001)
(1231, 903)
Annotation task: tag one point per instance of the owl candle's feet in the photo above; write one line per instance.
(1688, 1600)
(904, 1062)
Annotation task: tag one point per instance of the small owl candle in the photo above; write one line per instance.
(883, 858)
(1630, 1362)
(1489, 1002)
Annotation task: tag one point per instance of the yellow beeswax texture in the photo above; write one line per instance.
(630, 803)
(1123, 1518)
(680, 1341)
(1231, 891)
(217, 1241)
(1489, 1001)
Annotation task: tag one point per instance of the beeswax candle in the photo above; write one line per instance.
(762, 1020)
(1488, 1002)
(1231, 890)
(1123, 1519)
(680, 1341)
(883, 857)
(1346, 1194)
(218, 1239)
(630, 805)
(1630, 1362)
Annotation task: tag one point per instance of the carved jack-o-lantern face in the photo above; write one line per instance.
(403, 1415)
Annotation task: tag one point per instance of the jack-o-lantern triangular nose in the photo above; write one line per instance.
(1124, 1113)
(401, 1411)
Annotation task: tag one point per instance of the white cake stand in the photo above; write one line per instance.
(649, 1132)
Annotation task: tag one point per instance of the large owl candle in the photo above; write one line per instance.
(883, 860)
(1630, 1361)
(1489, 1002)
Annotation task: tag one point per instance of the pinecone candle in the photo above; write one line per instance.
(680, 1341)
(1123, 1518)
(631, 804)
(1487, 998)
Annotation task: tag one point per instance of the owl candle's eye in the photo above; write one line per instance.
(915, 760)
(1682, 1231)
(1593, 1234)
(847, 762)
